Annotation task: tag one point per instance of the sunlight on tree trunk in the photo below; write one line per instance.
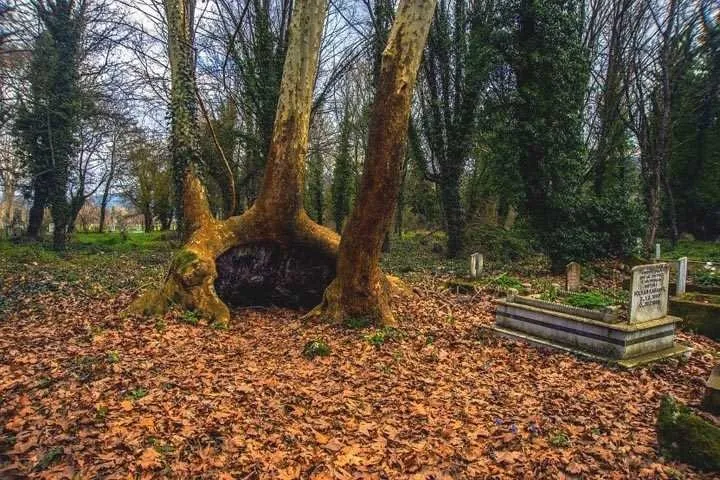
(360, 289)
(268, 247)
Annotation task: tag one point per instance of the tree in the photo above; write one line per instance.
(343, 178)
(148, 183)
(275, 239)
(316, 186)
(180, 16)
(551, 74)
(360, 289)
(49, 123)
(695, 159)
(458, 58)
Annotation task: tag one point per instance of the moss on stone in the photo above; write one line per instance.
(686, 437)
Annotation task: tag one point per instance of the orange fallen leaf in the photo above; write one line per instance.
(150, 459)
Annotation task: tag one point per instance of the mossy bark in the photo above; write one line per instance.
(360, 289)
(687, 437)
(277, 216)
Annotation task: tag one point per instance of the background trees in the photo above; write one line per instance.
(582, 124)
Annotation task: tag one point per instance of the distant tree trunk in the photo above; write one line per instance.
(452, 207)
(147, 220)
(360, 289)
(657, 157)
(108, 184)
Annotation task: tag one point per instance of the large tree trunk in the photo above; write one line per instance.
(183, 104)
(273, 251)
(360, 289)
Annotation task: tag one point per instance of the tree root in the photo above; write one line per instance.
(373, 306)
(190, 283)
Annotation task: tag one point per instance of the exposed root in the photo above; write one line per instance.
(190, 283)
(337, 307)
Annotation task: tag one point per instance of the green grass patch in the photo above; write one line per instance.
(590, 300)
(693, 249)
(137, 393)
(316, 348)
(380, 336)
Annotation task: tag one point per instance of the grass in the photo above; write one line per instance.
(694, 250)
(592, 300)
(93, 265)
(422, 252)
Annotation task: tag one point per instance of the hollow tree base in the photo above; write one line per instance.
(248, 260)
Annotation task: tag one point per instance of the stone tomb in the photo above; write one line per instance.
(645, 335)
(572, 279)
(649, 292)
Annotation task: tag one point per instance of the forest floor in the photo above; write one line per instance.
(86, 393)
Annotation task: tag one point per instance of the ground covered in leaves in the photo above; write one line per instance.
(86, 393)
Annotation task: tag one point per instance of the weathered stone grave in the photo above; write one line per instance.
(682, 273)
(649, 292)
(477, 263)
(572, 277)
(645, 333)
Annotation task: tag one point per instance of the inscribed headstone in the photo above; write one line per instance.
(682, 276)
(476, 264)
(572, 281)
(649, 292)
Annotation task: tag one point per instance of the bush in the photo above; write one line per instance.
(382, 335)
(589, 228)
(500, 245)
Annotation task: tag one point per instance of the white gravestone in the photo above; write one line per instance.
(682, 276)
(477, 262)
(649, 292)
(657, 251)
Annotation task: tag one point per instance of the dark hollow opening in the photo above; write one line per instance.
(270, 274)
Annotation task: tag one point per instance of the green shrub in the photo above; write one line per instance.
(316, 348)
(137, 394)
(501, 245)
(504, 282)
(708, 276)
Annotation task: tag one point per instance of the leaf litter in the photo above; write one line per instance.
(86, 393)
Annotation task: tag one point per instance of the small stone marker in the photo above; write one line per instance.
(657, 252)
(476, 264)
(681, 276)
(572, 281)
(649, 292)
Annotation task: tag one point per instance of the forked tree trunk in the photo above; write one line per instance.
(360, 289)
(272, 252)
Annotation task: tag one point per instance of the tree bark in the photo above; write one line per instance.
(183, 102)
(37, 210)
(238, 247)
(360, 289)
